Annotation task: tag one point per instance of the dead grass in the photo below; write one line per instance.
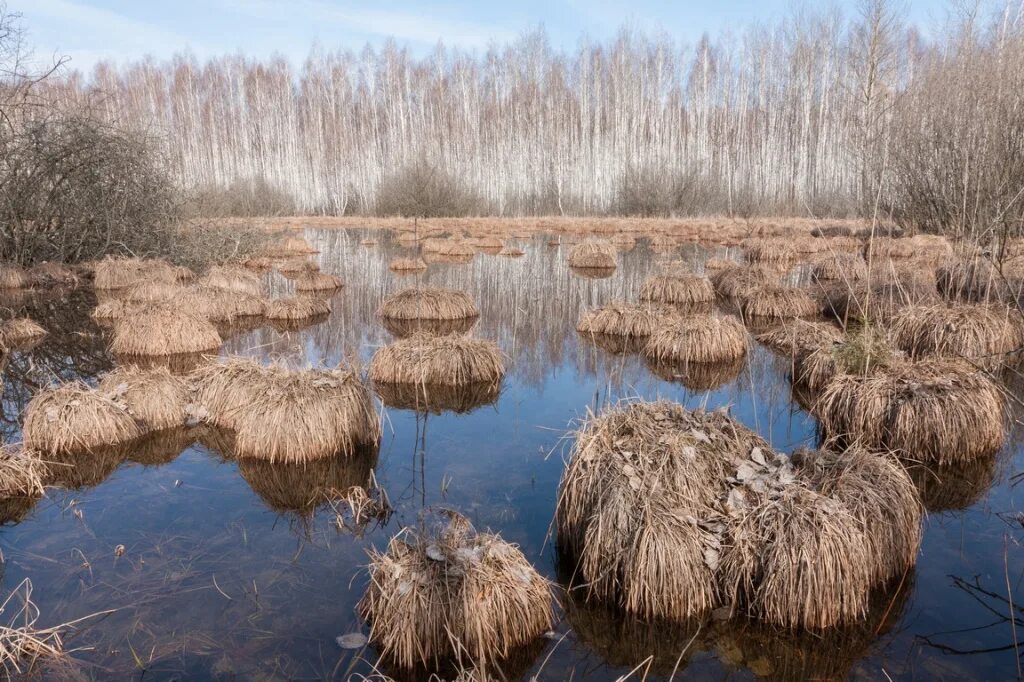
(121, 273)
(771, 250)
(680, 288)
(233, 278)
(840, 267)
(20, 332)
(74, 418)
(512, 252)
(297, 308)
(982, 334)
(428, 304)
(876, 302)
(425, 359)
(592, 273)
(403, 265)
(52, 274)
(935, 410)
(737, 282)
(223, 389)
(318, 281)
(772, 301)
(699, 339)
(796, 337)
(156, 398)
(22, 472)
(697, 376)
(444, 591)
(438, 398)
(163, 330)
(859, 353)
(625, 319)
(13, 276)
(973, 279)
(593, 253)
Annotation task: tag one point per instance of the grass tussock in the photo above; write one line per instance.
(681, 289)
(220, 305)
(935, 411)
(19, 332)
(403, 265)
(796, 337)
(233, 278)
(223, 389)
(592, 273)
(291, 245)
(593, 253)
(876, 302)
(428, 304)
(318, 281)
(859, 353)
(511, 252)
(297, 308)
(401, 329)
(982, 334)
(771, 301)
(163, 330)
(737, 282)
(23, 472)
(13, 276)
(445, 591)
(121, 273)
(306, 415)
(841, 267)
(156, 398)
(717, 264)
(291, 268)
(769, 250)
(426, 359)
(48, 274)
(73, 418)
(698, 339)
(625, 319)
(973, 280)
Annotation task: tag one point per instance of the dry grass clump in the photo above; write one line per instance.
(150, 292)
(445, 591)
(220, 305)
(73, 418)
(293, 245)
(223, 389)
(401, 329)
(452, 248)
(52, 274)
(407, 265)
(428, 304)
(679, 289)
(22, 472)
(777, 302)
(934, 410)
(439, 398)
(318, 281)
(486, 244)
(795, 337)
(121, 273)
(593, 253)
(981, 334)
(716, 264)
(768, 250)
(592, 273)
(20, 331)
(293, 267)
(302, 416)
(859, 353)
(233, 278)
(13, 276)
(297, 308)
(972, 279)
(698, 339)
(844, 267)
(737, 282)
(511, 252)
(639, 506)
(431, 360)
(156, 398)
(624, 319)
(924, 248)
(108, 311)
(832, 231)
(623, 242)
(163, 330)
(876, 302)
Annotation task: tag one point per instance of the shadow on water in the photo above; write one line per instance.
(217, 568)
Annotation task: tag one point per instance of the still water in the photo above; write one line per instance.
(219, 580)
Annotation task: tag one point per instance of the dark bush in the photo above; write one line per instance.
(251, 198)
(425, 191)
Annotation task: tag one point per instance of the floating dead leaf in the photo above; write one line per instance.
(353, 640)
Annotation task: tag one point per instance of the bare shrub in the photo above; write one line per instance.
(423, 190)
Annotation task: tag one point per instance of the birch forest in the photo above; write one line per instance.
(823, 113)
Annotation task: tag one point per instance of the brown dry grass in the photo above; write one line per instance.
(796, 337)
(163, 330)
(428, 304)
(292, 267)
(973, 279)
(52, 274)
(592, 273)
(401, 329)
(625, 319)
(318, 281)
(219, 305)
(225, 388)
(935, 410)
(593, 253)
(699, 339)
(297, 308)
(233, 278)
(979, 333)
(681, 288)
(859, 353)
(771, 250)
(438, 399)
(14, 276)
(772, 301)
(445, 591)
(737, 282)
(306, 415)
(426, 359)
(876, 301)
(511, 252)
(156, 398)
(416, 264)
(841, 267)
(74, 418)
(697, 376)
(22, 472)
(716, 264)
(20, 331)
(121, 273)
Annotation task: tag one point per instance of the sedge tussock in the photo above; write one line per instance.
(973, 280)
(20, 331)
(452, 248)
(717, 264)
(982, 334)
(22, 472)
(292, 245)
(736, 282)
(444, 591)
(699, 339)
(593, 253)
(223, 389)
(681, 288)
(293, 267)
(624, 319)
(795, 337)
(318, 281)
(826, 231)
(426, 359)
(624, 243)
(297, 308)
(151, 292)
(220, 305)
(233, 278)
(511, 252)
(13, 276)
(306, 415)
(843, 267)
(935, 410)
(178, 364)
(48, 274)
(768, 250)
(491, 245)
(74, 418)
(121, 273)
(428, 304)
(592, 273)
(407, 265)
(156, 398)
(771, 301)
(859, 353)
(876, 301)
(163, 330)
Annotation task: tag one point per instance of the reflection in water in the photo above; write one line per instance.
(230, 570)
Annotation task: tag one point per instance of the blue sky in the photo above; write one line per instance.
(119, 30)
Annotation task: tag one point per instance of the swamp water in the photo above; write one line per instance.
(218, 579)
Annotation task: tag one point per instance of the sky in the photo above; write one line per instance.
(88, 31)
